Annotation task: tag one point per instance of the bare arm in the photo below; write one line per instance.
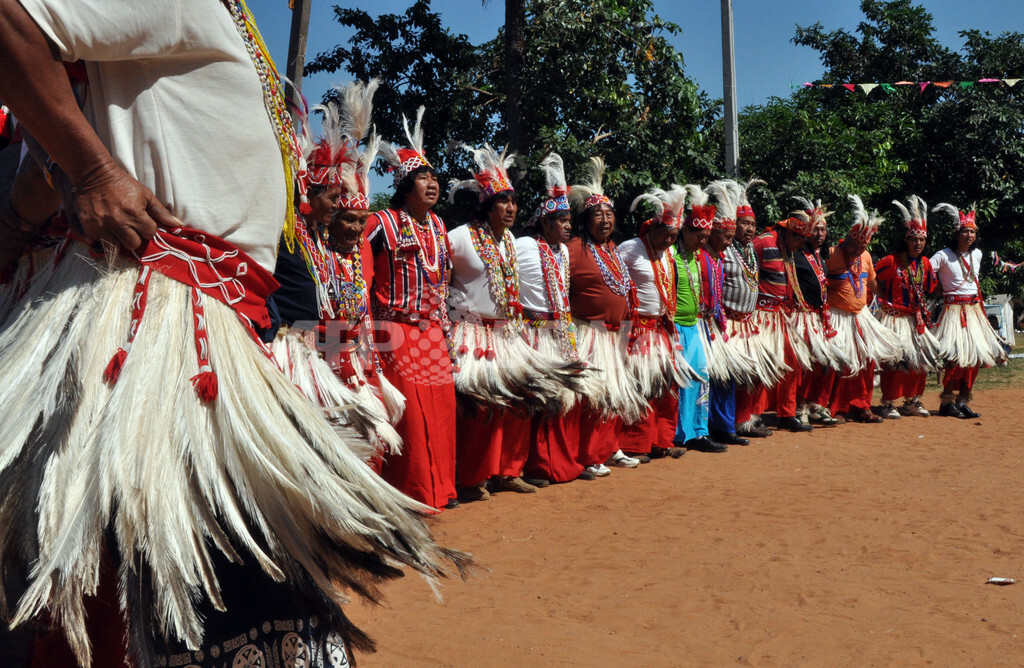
(109, 203)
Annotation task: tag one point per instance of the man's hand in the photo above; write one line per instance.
(112, 206)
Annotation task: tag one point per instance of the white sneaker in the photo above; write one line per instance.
(622, 460)
(889, 412)
(600, 470)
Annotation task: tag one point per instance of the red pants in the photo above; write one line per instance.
(853, 394)
(897, 384)
(783, 395)
(515, 443)
(959, 379)
(426, 468)
(819, 386)
(656, 430)
(750, 402)
(555, 447)
(478, 445)
(599, 438)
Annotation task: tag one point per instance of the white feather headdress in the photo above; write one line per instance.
(915, 216)
(404, 161)
(864, 224)
(590, 192)
(491, 176)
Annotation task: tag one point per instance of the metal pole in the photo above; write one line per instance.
(731, 120)
(297, 49)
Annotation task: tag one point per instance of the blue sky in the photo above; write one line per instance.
(767, 63)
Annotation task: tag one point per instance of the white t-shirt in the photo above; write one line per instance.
(954, 280)
(176, 98)
(532, 291)
(470, 293)
(634, 255)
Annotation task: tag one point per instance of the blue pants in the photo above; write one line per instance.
(723, 407)
(693, 396)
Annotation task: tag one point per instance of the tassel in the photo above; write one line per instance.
(113, 370)
(206, 385)
(305, 209)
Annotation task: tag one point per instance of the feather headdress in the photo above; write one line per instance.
(404, 161)
(491, 176)
(558, 192)
(728, 204)
(590, 192)
(701, 214)
(336, 159)
(915, 216)
(670, 206)
(740, 191)
(864, 224)
(803, 220)
(960, 218)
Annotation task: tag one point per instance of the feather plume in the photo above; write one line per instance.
(943, 207)
(592, 184)
(860, 214)
(907, 217)
(416, 136)
(554, 175)
(745, 188)
(725, 199)
(697, 195)
(918, 207)
(655, 196)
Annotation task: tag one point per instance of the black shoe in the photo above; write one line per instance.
(757, 431)
(586, 475)
(949, 409)
(794, 425)
(452, 503)
(705, 444)
(729, 439)
(967, 413)
(537, 482)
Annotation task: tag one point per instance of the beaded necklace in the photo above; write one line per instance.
(968, 267)
(277, 108)
(914, 282)
(611, 268)
(433, 265)
(502, 274)
(853, 274)
(694, 282)
(314, 254)
(663, 280)
(748, 264)
(715, 286)
(556, 287)
(347, 286)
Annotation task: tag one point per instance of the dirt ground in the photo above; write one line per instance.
(856, 545)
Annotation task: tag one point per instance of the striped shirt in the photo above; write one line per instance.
(893, 283)
(771, 275)
(737, 294)
(401, 282)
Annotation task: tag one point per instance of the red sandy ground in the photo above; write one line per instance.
(856, 545)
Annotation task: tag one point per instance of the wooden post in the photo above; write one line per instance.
(297, 49)
(731, 120)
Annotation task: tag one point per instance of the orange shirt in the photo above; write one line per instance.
(848, 282)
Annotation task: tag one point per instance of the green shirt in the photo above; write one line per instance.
(686, 301)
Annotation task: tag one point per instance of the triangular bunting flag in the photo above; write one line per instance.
(923, 85)
(988, 80)
(966, 84)
(887, 87)
(809, 84)
(942, 84)
(851, 87)
(867, 87)
(825, 85)
(904, 83)
(1011, 82)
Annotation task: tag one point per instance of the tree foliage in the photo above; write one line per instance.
(599, 77)
(959, 145)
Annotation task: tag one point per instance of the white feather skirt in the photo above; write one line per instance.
(862, 339)
(610, 388)
(812, 346)
(497, 366)
(746, 344)
(654, 365)
(966, 337)
(918, 351)
(356, 404)
(772, 328)
(728, 360)
(545, 341)
(258, 473)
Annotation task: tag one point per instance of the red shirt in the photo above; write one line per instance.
(589, 296)
(894, 280)
(400, 281)
(771, 277)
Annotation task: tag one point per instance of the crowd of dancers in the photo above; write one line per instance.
(477, 361)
